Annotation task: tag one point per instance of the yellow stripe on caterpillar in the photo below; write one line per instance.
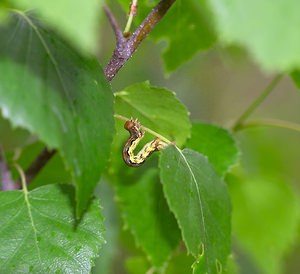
(136, 135)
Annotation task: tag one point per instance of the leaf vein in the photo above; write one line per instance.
(199, 198)
(95, 236)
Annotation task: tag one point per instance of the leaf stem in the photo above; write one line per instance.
(269, 123)
(132, 13)
(23, 178)
(154, 133)
(268, 89)
(25, 190)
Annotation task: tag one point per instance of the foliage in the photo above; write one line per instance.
(41, 233)
(60, 92)
(176, 207)
(251, 24)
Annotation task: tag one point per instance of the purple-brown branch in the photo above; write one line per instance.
(126, 47)
(41, 160)
(114, 24)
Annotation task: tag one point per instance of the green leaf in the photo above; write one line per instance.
(200, 203)
(12, 138)
(295, 75)
(3, 10)
(40, 233)
(179, 264)
(142, 204)
(53, 92)
(263, 29)
(156, 108)
(146, 214)
(186, 27)
(76, 20)
(137, 265)
(265, 219)
(216, 143)
(53, 172)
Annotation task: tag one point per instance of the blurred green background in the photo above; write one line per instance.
(217, 86)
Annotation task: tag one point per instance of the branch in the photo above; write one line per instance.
(125, 49)
(114, 24)
(40, 161)
(269, 123)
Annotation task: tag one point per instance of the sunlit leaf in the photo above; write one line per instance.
(76, 20)
(200, 202)
(263, 29)
(156, 108)
(53, 92)
(40, 233)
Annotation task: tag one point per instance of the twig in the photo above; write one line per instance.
(40, 161)
(132, 13)
(125, 49)
(269, 88)
(114, 24)
(270, 123)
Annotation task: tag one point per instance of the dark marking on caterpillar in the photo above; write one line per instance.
(136, 135)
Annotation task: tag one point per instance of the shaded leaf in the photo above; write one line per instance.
(137, 265)
(265, 219)
(188, 29)
(142, 204)
(263, 29)
(146, 214)
(200, 203)
(156, 108)
(180, 263)
(216, 143)
(12, 138)
(295, 75)
(40, 233)
(47, 88)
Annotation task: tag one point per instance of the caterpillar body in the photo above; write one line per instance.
(136, 135)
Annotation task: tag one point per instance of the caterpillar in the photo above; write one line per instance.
(136, 135)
